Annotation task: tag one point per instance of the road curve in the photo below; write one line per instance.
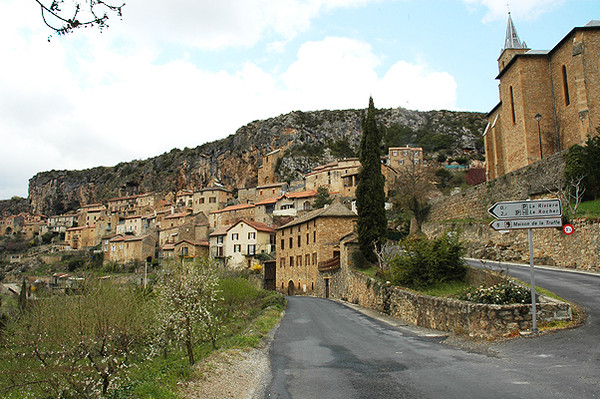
(325, 349)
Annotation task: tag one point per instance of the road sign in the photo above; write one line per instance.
(526, 209)
(568, 229)
(514, 224)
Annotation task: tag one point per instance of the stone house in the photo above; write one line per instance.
(294, 204)
(34, 229)
(81, 237)
(310, 242)
(90, 215)
(195, 229)
(123, 249)
(184, 198)
(241, 242)
(60, 223)
(11, 225)
(123, 205)
(266, 172)
(273, 190)
(263, 210)
(549, 100)
(333, 175)
(130, 225)
(399, 157)
(210, 199)
(231, 214)
(186, 249)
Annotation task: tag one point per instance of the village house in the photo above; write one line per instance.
(273, 190)
(184, 198)
(306, 243)
(210, 199)
(129, 225)
(60, 223)
(90, 214)
(123, 206)
(81, 237)
(231, 214)
(145, 202)
(294, 204)
(238, 244)
(263, 210)
(266, 171)
(123, 249)
(399, 157)
(549, 100)
(11, 225)
(35, 229)
(332, 175)
(194, 229)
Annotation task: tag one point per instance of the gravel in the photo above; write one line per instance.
(234, 373)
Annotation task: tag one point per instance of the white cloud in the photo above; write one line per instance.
(522, 9)
(225, 23)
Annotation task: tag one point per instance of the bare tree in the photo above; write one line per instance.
(415, 187)
(570, 192)
(64, 16)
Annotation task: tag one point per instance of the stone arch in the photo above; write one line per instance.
(291, 288)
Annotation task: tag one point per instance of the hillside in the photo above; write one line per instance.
(309, 139)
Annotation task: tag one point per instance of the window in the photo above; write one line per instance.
(251, 249)
(282, 244)
(291, 261)
(252, 235)
(235, 236)
(314, 258)
(512, 105)
(202, 200)
(184, 251)
(219, 239)
(307, 239)
(395, 153)
(314, 236)
(307, 260)
(299, 260)
(212, 200)
(565, 86)
(291, 242)
(282, 263)
(299, 241)
(237, 248)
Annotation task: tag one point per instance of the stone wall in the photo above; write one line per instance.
(533, 182)
(460, 317)
(580, 250)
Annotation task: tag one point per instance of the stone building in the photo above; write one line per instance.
(306, 243)
(399, 157)
(81, 237)
(549, 100)
(231, 214)
(266, 172)
(210, 199)
(333, 175)
(123, 249)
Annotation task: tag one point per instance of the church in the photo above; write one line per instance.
(549, 99)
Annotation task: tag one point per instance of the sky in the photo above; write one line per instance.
(181, 73)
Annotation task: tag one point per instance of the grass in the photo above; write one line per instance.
(446, 290)
(589, 209)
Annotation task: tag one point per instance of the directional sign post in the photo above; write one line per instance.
(515, 215)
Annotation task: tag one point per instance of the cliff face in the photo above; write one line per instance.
(310, 139)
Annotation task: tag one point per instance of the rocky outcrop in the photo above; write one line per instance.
(309, 139)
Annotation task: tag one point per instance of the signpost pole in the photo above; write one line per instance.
(533, 305)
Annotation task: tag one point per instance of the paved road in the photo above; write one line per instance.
(325, 349)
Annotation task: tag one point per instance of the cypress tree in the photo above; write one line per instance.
(370, 193)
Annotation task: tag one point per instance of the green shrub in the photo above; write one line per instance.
(503, 293)
(424, 263)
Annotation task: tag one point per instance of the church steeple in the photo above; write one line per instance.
(512, 40)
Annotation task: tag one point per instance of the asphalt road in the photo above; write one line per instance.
(325, 349)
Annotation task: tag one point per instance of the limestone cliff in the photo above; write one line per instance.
(309, 139)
